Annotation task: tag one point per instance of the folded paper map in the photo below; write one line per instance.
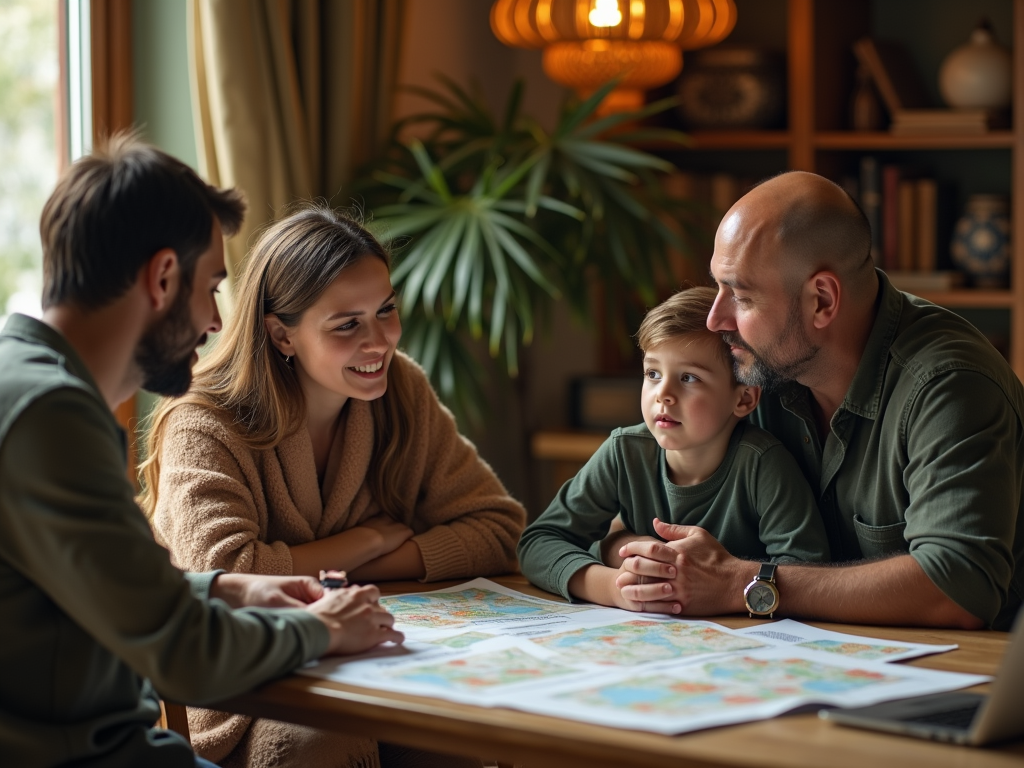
(481, 643)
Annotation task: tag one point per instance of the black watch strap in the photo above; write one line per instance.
(767, 572)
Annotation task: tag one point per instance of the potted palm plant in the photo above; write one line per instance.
(495, 219)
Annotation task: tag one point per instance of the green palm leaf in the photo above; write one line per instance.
(496, 217)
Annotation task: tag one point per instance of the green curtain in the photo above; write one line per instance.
(290, 96)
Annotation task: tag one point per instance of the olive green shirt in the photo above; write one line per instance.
(924, 455)
(757, 504)
(91, 610)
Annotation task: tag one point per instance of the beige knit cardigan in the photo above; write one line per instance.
(223, 505)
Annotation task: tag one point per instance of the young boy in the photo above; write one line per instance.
(693, 461)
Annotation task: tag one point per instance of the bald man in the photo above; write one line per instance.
(903, 417)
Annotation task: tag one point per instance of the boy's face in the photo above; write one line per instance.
(690, 400)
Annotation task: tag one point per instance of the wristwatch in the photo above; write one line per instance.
(761, 595)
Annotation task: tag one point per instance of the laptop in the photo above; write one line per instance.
(961, 718)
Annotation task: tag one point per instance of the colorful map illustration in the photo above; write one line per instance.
(639, 641)
(445, 610)
(483, 671)
(733, 682)
(464, 640)
(854, 650)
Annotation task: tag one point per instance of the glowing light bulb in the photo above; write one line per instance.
(605, 13)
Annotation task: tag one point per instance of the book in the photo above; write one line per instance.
(906, 232)
(926, 206)
(871, 203)
(890, 217)
(897, 79)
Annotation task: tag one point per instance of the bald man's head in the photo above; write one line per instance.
(803, 223)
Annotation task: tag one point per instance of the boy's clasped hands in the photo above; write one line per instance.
(680, 575)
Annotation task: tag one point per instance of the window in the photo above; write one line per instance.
(29, 158)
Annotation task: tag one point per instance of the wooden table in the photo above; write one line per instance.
(537, 741)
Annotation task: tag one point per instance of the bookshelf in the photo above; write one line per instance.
(817, 36)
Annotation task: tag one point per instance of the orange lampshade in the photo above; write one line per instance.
(588, 42)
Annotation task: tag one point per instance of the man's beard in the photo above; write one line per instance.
(164, 354)
(768, 369)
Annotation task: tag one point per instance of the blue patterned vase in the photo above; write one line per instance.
(981, 241)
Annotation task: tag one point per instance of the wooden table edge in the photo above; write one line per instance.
(445, 726)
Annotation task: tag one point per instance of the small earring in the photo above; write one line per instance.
(287, 359)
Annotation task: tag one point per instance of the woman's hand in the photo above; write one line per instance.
(352, 548)
(390, 533)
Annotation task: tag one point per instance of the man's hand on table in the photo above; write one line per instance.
(690, 573)
(708, 581)
(352, 615)
(247, 589)
(356, 621)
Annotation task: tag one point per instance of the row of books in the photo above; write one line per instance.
(910, 214)
(903, 207)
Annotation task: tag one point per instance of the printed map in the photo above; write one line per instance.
(445, 610)
(854, 650)
(464, 640)
(638, 642)
(482, 671)
(733, 682)
(483, 643)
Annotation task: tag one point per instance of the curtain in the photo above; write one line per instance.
(289, 97)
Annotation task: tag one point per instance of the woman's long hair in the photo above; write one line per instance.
(292, 263)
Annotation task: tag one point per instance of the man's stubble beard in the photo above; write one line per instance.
(164, 354)
(768, 369)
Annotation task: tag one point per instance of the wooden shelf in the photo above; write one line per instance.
(820, 78)
(970, 298)
(881, 140)
(749, 140)
(847, 140)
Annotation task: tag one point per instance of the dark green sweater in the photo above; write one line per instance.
(757, 504)
(91, 609)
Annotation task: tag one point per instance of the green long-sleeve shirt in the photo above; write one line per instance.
(757, 504)
(924, 455)
(93, 616)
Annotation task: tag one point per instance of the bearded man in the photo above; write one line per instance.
(904, 419)
(94, 616)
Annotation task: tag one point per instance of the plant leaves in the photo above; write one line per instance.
(468, 253)
(430, 171)
(445, 252)
(574, 118)
(616, 154)
(523, 259)
(535, 183)
(476, 299)
(388, 228)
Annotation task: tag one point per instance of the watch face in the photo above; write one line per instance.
(760, 598)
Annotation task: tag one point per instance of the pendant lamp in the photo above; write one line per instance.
(588, 42)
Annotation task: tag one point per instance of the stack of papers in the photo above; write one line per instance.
(480, 643)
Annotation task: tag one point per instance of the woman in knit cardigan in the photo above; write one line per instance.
(309, 442)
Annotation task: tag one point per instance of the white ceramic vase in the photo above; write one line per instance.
(977, 75)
